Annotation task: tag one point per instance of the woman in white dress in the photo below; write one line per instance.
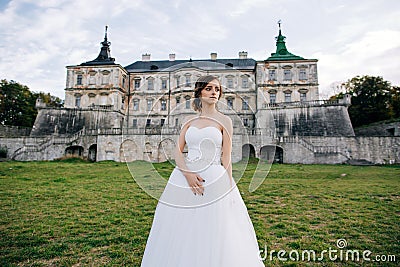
(201, 219)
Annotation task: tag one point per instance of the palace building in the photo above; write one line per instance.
(135, 112)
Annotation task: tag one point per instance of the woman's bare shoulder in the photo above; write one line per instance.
(225, 120)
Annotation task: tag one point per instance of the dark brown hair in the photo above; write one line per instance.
(200, 84)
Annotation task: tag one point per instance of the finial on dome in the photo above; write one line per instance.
(279, 25)
(105, 35)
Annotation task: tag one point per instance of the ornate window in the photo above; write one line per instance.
(288, 96)
(272, 75)
(163, 84)
(229, 102)
(187, 80)
(135, 104)
(150, 84)
(77, 100)
(303, 94)
(137, 83)
(134, 123)
(287, 75)
(106, 77)
(272, 98)
(303, 97)
(149, 104)
(163, 104)
(229, 82)
(92, 77)
(187, 103)
(245, 103)
(245, 81)
(79, 79)
(302, 74)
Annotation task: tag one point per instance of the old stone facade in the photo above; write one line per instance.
(135, 112)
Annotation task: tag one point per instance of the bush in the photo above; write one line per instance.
(72, 159)
(3, 152)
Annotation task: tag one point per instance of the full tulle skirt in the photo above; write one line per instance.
(213, 230)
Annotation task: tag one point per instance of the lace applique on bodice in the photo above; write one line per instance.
(204, 146)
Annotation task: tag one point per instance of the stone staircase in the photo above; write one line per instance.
(32, 144)
(324, 150)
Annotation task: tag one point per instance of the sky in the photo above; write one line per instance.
(39, 38)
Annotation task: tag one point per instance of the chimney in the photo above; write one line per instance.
(171, 57)
(146, 57)
(213, 56)
(242, 55)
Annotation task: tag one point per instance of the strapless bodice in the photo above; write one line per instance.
(204, 146)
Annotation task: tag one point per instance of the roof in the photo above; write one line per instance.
(281, 51)
(104, 57)
(208, 64)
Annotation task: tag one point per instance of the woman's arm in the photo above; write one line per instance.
(227, 136)
(194, 180)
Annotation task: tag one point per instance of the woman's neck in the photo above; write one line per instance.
(208, 110)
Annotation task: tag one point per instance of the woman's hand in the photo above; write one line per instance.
(195, 182)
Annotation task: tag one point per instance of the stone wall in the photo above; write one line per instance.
(14, 131)
(313, 121)
(337, 150)
(67, 121)
(379, 129)
(157, 148)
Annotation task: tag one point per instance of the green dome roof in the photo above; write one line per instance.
(281, 51)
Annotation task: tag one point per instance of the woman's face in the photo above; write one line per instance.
(211, 92)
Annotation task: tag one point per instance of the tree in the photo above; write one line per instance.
(50, 100)
(17, 104)
(371, 99)
(395, 102)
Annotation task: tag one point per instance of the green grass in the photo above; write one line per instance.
(74, 213)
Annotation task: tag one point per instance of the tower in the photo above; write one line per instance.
(99, 83)
(285, 77)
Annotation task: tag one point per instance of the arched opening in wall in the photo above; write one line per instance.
(248, 151)
(74, 151)
(128, 151)
(278, 155)
(268, 153)
(92, 153)
(165, 150)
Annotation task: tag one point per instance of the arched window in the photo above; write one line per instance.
(245, 103)
(135, 104)
(78, 100)
(150, 83)
(288, 96)
(149, 104)
(163, 104)
(79, 79)
(187, 103)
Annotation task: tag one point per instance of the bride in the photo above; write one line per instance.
(201, 219)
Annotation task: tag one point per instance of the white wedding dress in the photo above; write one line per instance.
(209, 230)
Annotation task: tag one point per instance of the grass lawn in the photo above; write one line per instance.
(76, 213)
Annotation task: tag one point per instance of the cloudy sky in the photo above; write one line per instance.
(38, 38)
